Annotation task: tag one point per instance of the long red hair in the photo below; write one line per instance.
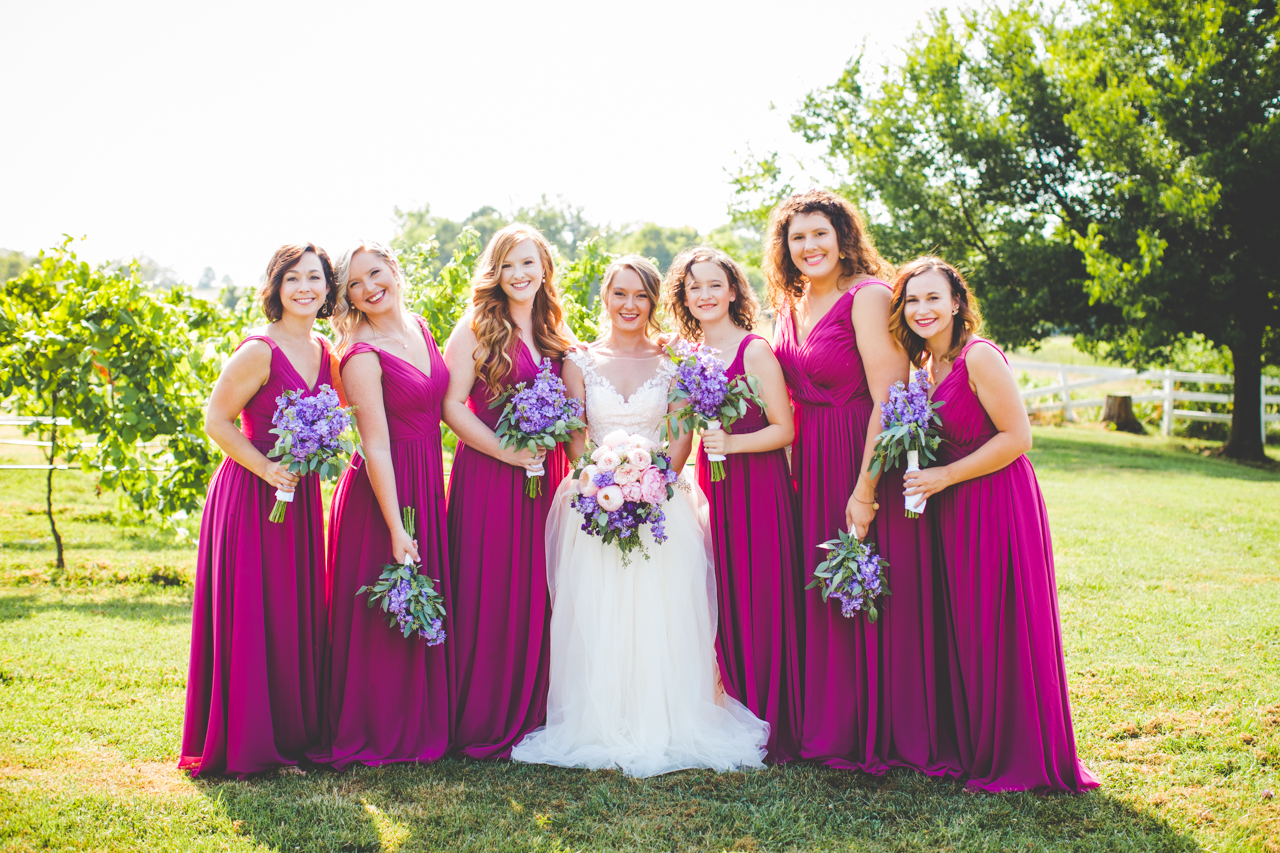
(490, 315)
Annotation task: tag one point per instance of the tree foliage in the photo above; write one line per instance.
(1104, 169)
(130, 369)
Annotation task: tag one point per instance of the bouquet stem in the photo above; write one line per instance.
(282, 499)
(915, 503)
(716, 459)
(532, 484)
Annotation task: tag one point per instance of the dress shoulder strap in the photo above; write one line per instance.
(867, 281)
(964, 352)
(274, 346)
(357, 348)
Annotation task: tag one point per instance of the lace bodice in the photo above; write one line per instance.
(608, 410)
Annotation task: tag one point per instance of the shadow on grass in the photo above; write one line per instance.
(1075, 454)
(473, 806)
(149, 604)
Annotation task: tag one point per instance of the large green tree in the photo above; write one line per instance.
(1104, 169)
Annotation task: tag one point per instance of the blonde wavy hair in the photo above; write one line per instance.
(346, 318)
(490, 314)
(649, 277)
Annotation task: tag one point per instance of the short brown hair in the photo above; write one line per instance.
(786, 282)
(967, 322)
(742, 310)
(285, 259)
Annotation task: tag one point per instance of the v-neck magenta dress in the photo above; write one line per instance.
(753, 529)
(874, 695)
(1008, 675)
(498, 579)
(387, 696)
(258, 613)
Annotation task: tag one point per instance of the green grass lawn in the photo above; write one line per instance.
(1169, 580)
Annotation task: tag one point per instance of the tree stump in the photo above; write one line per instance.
(1118, 410)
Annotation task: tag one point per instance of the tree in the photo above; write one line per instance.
(656, 242)
(1108, 174)
(126, 366)
(207, 278)
(12, 264)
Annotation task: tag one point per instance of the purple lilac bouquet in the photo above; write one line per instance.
(541, 415)
(853, 574)
(621, 485)
(313, 434)
(713, 400)
(910, 424)
(408, 597)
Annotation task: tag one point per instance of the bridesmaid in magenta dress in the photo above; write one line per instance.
(753, 507)
(497, 556)
(386, 696)
(1008, 675)
(872, 692)
(259, 597)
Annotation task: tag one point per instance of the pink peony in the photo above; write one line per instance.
(641, 442)
(608, 461)
(653, 486)
(610, 498)
(626, 473)
(615, 438)
(586, 481)
(639, 458)
(632, 492)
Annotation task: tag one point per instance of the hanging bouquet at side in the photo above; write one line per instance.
(910, 426)
(314, 435)
(536, 416)
(712, 399)
(853, 574)
(408, 597)
(620, 486)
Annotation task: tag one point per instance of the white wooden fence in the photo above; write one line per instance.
(1168, 396)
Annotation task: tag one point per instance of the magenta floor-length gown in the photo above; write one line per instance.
(1009, 678)
(387, 696)
(258, 614)
(757, 575)
(874, 694)
(498, 565)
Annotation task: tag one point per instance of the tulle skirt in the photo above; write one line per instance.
(634, 683)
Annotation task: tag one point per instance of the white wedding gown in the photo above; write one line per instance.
(634, 679)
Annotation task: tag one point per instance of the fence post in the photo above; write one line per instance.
(1262, 407)
(1067, 414)
(1166, 418)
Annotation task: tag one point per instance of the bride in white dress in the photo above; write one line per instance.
(634, 679)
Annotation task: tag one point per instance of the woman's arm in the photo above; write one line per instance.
(885, 363)
(575, 386)
(459, 356)
(759, 361)
(244, 374)
(362, 377)
(997, 390)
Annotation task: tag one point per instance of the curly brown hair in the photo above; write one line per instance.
(858, 252)
(285, 259)
(743, 310)
(490, 314)
(967, 321)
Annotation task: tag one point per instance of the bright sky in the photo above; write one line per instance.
(208, 134)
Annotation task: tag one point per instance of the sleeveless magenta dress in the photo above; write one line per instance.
(258, 614)
(1008, 675)
(758, 579)
(386, 697)
(873, 693)
(498, 578)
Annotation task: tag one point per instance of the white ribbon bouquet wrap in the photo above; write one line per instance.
(909, 427)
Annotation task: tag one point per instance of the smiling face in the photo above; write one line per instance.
(928, 305)
(521, 273)
(707, 292)
(627, 301)
(814, 245)
(303, 287)
(371, 285)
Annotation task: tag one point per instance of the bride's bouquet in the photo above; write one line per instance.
(910, 425)
(713, 401)
(313, 434)
(408, 597)
(853, 575)
(619, 486)
(538, 416)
